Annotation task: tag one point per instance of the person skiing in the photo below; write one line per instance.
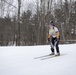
(54, 35)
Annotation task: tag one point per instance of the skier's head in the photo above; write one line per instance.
(51, 24)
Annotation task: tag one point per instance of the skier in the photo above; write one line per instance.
(54, 35)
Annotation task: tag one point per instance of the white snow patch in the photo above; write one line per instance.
(20, 60)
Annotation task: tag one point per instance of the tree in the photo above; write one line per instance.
(18, 33)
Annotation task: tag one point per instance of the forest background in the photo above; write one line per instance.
(26, 22)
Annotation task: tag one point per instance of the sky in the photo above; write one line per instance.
(26, 4)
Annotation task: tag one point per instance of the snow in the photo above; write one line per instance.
(20, 60)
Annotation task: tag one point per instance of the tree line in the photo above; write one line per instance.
(28, 28)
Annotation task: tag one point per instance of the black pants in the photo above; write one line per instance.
(55, 42)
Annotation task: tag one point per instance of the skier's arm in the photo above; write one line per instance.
(49, 37)
(57, 35)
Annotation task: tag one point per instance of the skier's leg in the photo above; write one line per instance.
(52, 46)
(57, 47)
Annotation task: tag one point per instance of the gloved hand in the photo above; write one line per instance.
(48, 39)
(56, 39)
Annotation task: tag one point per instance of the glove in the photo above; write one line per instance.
(55, 39)
(48, 39)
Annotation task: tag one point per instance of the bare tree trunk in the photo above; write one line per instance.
(18, 37)
(1, 15)
(67, 16)
(62, 24)
(38, 24)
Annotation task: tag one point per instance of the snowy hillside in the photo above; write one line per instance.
(21, 60)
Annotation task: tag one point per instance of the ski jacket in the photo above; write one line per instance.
(53, 32)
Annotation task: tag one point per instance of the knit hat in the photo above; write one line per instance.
(51, 23)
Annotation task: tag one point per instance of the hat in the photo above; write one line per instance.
(51, 23)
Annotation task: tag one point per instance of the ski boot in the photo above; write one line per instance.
(52, 53)
(58, 54)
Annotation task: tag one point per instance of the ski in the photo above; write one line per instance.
(43, 56)
(50, 57)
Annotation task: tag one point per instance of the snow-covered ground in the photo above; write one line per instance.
(20, 60)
